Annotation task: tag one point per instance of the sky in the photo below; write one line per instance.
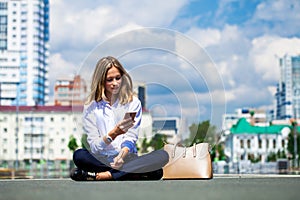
(199, 59)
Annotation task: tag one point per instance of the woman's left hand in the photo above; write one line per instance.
(119, 159)
(118, 163)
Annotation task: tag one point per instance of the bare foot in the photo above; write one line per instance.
(103, 176)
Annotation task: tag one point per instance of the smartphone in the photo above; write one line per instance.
(130, 115)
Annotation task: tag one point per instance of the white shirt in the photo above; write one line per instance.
(99, 118)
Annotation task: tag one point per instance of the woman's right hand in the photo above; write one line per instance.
(121, 128)
(124, 125)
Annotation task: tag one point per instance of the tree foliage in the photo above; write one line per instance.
(72, 143)
(201, 132)
(155, 143)
(290, 146)
(205, 132)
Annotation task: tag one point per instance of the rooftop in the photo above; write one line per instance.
(41, 108)
(243, 126)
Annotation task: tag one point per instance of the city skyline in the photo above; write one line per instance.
(198, 59)
(243, 38)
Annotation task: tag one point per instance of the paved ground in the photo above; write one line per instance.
(229, 187)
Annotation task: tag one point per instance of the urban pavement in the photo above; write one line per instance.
(221, 187)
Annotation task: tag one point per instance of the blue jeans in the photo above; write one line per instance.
(134, 166)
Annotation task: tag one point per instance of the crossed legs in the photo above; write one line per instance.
(148, 166)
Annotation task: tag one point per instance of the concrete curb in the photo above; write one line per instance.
(255, 176)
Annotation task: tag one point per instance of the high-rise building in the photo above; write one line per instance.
(288, 89)
(24, 51)
(139, 89)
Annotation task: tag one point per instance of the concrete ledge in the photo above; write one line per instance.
(256, 176)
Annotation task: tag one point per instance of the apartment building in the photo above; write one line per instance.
(29, 134)
(24, 52)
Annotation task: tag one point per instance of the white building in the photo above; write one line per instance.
(245, 141)
(172, 127)
(31, 134)
(42, 133)
(24, 52)
(254, 116)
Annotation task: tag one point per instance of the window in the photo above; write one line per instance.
(28, 119)
(259, 143)
(242, 157)
(274, 144)
(248, 144)
(283, 143)
(242, 144)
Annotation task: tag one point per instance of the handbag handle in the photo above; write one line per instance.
(184, 152)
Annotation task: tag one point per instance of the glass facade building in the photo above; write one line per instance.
(24, 52)
(288, 88)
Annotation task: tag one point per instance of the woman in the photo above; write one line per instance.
(111, 136)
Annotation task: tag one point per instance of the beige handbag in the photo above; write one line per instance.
(188, 162)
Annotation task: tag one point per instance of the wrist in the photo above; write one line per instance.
(125, 149)
(109, 139)
(123, 153)
(113, 134)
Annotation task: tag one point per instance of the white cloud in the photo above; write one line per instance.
(80, 26)
(205, 37)
(274, 10)
(248, 96)
(265, 53)
(247, 66)
(59, 68)
(276, 17)
(228, 48)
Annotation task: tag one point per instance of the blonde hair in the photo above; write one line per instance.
(99, 77)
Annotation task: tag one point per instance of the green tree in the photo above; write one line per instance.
(272, 157)
(290, 146)
(205, 132)
(72, 143)
(253, 158)
(144, 146)
(217, 152)
(281, 154)
(201, 132)
(156, 142)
